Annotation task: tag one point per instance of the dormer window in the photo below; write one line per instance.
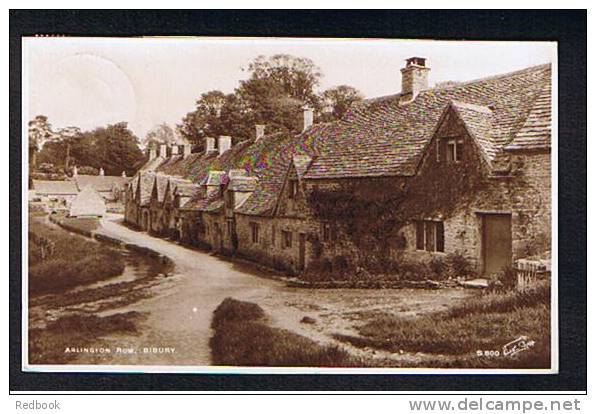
(455, 149)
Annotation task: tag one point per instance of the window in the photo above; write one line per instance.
(293, 188)
(326, 232)
(287, 239)
(455, 149)
(430, 236)
(254, 232)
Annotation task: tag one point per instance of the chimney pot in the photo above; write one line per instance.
(259, 131)
(187, 148)
(308, 117)
(209, 145)
(224, 143)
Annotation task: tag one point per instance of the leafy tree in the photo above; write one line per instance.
(277, 89)
(114, 148)
(40, 131)
(160, 134)
(339, 99)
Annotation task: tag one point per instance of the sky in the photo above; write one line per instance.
(91, 82)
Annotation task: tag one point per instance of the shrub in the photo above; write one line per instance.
(438, 268)
(413, 270)
(232, 310)
(459, 265)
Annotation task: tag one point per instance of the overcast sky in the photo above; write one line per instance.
(89, 82)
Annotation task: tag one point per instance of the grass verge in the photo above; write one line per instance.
(49, 345)
(485, 323)
(74, 260)
(243, 338)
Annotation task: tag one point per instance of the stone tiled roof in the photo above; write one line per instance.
(55, 187)
(536, 132)
(385, 138)
(145, 187)
(186, 190)
(153, 164)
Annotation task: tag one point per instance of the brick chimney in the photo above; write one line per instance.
(175, 149)
(308, 116)
(259, 132)
(187, 148)
(163, 151)
(414, 78)
(224, 143)
(209, 145)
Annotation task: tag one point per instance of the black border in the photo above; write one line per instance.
(566, 27)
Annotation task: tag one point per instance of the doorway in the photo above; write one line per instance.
(496, 242)
(301, 251)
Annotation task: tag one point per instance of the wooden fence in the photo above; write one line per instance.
(529, 272)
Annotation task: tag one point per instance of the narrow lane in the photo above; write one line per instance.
(179, 315)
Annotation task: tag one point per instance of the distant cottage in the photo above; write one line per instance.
(462, 169)
(88, 203)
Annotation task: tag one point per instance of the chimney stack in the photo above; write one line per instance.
(124, 174)
(75, 171)
(152, 153)
(187, 148)
(414, 78)
(308, 117)
(175, 149)
(259, 131)
(209, 145)
(163, 151)
(224, 144)
(101, 171)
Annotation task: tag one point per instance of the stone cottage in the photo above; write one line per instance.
(426, 172)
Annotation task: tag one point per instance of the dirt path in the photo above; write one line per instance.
(179, 311)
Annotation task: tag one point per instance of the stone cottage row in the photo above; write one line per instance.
(423, 173)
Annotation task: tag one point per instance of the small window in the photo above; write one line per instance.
(326, 232)
(293, 188)
(287, 239)
(430, 236)
(254, 232)
(455, 149)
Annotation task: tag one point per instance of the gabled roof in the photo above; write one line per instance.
(187, 190)
(536, 132)
(384, 137)
(55, 187)
(100, 183)
(301, 164)
(145, 187)
(159, 186)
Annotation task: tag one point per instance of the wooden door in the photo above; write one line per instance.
(496, 242)
(301, 251)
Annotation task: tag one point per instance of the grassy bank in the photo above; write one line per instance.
(243, 338)
(485, 323)
(71, 261)
(47, 346)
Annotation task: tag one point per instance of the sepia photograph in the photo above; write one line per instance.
(289, 205)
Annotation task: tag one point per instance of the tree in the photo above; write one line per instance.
(215, 114)
(159, 134)
(114, 148)
(277, 89)
(40, 131)
(339, 99)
